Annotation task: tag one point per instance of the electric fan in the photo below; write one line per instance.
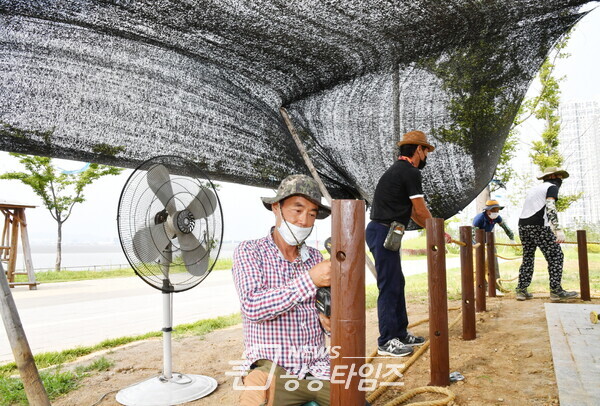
(170, 227)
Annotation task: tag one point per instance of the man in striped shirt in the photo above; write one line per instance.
(276, 278)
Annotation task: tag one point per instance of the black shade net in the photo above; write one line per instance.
(118, 82)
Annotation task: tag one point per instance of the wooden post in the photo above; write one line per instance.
(5, 243)
(347, 301)
(467, 288)
(584, 275)
(438, 303)
(480, 271)
(14, 246)
(27, 250)
(491, 263)
(34, 389)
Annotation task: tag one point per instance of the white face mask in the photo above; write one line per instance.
(291, 233)
(494, 215)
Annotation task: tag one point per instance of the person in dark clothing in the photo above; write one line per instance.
(538, 227)
(398, 198)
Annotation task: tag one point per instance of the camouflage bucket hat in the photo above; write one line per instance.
(301, 185)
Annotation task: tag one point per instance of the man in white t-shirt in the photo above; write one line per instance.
(538, 227)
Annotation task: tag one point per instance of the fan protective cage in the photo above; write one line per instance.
(182, 185)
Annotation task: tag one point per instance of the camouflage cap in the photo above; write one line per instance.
(299, 185)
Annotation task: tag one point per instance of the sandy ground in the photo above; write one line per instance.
(510, 362)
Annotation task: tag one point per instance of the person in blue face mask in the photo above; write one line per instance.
(486, 220)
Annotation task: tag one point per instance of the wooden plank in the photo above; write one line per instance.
(34, 389)
(27, 249)
(8, 205)
(574, 342)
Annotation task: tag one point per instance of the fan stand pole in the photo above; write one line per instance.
(167, 329)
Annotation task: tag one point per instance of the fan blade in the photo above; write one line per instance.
(194, 254)
(149, 242)
(204, 204)
(160, 183)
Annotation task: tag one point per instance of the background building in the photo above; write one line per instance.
(580, 146)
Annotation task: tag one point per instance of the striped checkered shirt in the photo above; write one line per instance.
(277, 299)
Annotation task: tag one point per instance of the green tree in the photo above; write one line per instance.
(59, 191)
(544, 106)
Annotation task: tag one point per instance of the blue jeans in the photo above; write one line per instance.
(391, 305)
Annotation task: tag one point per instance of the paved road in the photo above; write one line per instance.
(59, 316)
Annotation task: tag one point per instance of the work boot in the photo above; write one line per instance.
(395, 348)
(522, 294)
(561, 295)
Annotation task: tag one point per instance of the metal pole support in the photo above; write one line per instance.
(584, 275)
(438, 303)
(348, 301)
(467, 287)
(480, 271)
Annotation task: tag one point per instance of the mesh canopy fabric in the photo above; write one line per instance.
(118, 82)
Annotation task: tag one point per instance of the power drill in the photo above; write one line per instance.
(324, 294)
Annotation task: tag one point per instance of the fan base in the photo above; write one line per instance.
(158, 391)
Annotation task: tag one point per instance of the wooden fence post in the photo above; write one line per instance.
(584, 275)
(347, 301)
(491, 263)
(438, 303)
(34, 389)
(467, 287)
(480, 271)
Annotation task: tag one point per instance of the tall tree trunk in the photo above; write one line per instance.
(58, 247)
(482, 198)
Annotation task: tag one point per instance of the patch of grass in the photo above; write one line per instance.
(11, 392)
(371, 294)
(206, 326)
(68, 276)
(417, 288)
(100, 364)
(48, 359)
(540, 282)
(56, 382)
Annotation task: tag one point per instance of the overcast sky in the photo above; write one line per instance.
(94, 221)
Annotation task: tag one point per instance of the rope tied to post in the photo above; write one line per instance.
(414, 392)
(450, 396)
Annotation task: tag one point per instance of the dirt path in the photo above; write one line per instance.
(510, 362)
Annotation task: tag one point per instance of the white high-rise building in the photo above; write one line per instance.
(580, 146)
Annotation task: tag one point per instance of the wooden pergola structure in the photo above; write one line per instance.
(15, 223)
